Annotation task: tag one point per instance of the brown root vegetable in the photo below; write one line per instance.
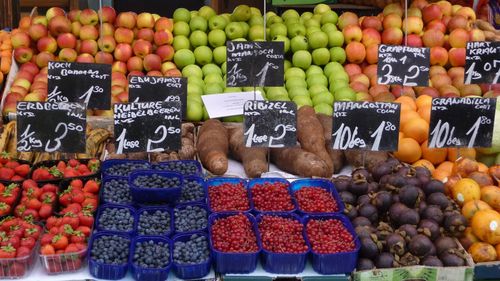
(369, 160)
(311, 136)
(336, 155)
(213, 146)
(188, 150)
(254, 159)
(297, 161)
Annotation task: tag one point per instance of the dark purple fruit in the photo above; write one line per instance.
(382, 201)
(438, 199)
(420, 245)
(381, 170)
(444, 243)
(358, 187)
(413, 181)
(432, 212)
(410, 216)
(433, 186)
(429, 228)
(408, 260)
(407, 230)
(423, 175)
(350, 211)
(341, 183)
(373, 187)
(432, 261)
(363, 199)
(454, 223)
(396, 210)
(361, 173)
(392, 162)
(347, 197)
(369, 211)
(369, 249)
(395, 244)
(384, 260)
(384, 180)
(404, 171)
(365, 264)
(450, 259)
(364, 231)
(409, 195)
(397, 181)
(361, 221)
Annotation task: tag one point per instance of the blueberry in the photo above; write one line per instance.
(117, 191)
(193, 251)
(156, 181)
(190, 218)
(191, 191)
(111, 249)
(185, 168)
(124, 169)
(151, 254)
(154, 223)
(116, 219)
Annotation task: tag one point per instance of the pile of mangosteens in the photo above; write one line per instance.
(402, 217)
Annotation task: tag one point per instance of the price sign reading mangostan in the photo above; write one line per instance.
(461, 122)
(152, 88)
(270, 124)
(366, 125)
(147, 126)
(482, 63)
(402, 65)
(88, 83)
(255, 64)
(51, 127)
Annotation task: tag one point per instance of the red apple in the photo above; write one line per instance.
(43, 58)
(53, 12)
(119, 66)
(431, 12)
(476, 34)
(456, 71)
(37, 31)
(126, 20)
(163, 37)
(437, 70)
(458, 21)
(164, 24)
(134, 64)
(107, 14)
(413, 40)
(413, 25)
(445, 6)
(106, 44)
(106, 29)
(25, 23)
(347, 18)
(439, 56)
(436, 24)
(89, 32)
(88, 47)
(371, 37)
(467, 12)
(87, 58)
(74, 15)
(145, 20)
(393, 8)
(355, 52)
(458, 38)
(124, 35)
(123, 52)
(89, 17)
(146, 34)
(66, 40)
(30, 67)
(68, 55)
(352, 69)
(75, 28)
(166, 52)
(173, 73)
(20, 39)
(373, 22)
(392, 36)
(103, 57)
(392, 20)
(154, 73)
(47, 44)
(152, 62)
(433, 38)
(58, 25)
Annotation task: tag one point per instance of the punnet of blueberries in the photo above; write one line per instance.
(156, 181)
(117, 191)
(153, 222)
(191, 191)
(111, 249)
(193, 251)
(190, 218)
(116, 219)
(185, 168)
(124, 169)
(151, 254)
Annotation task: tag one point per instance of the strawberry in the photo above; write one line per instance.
(29, 183)
(86, 219)
(7, 252)
(47, 249)
(34, 204)
(60, 242)
(70, 173)
(55, 173)
(4, 209)
(73, 163)
(91, 186)
(93, 165)
(45, 210)
(4, 157)
(76, 183)
(72, 248)
(41, 174)
(28, 242)
(22, 170)
(61, 166)
(6, 173)
(11, 164)
(23, 252)
(49, 188)
(84, 170)
(17, 178)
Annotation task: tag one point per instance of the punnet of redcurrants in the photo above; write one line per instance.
(156, 181)
(271, 196)
(185, 168)
(329, 236)
(234, 234)
(315, 200)
(193, 251)
(116, 219)
(151, 254)
(191, 191)
(112, 249)
(282, 235)
(124, 169)
(228, 197)
(154, 222)
(117, 191)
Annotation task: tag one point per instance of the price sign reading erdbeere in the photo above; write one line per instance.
(403, 65)
(88, 83)
(366, 125)
(482, 63)
(255, 64)
(461, 122)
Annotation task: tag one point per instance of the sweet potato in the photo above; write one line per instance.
(213, 146)
(297, 161)
(336, 155)
(254, 159)
(371, 158)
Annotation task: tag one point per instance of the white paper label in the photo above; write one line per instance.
(228, 104)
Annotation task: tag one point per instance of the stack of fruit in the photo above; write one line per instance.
(5, 54)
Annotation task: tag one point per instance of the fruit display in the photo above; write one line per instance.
(8, 198)
(37, 202)
(193, 251)
(227, 233)
(228, 196)
(5, 54)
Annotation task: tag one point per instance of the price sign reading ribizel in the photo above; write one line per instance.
(88, 83)
(51, 127)
(366, 125)
(403, 65)
(461, 122)
(482, 63)
(255, 64)
(147, 126)
(270, 124)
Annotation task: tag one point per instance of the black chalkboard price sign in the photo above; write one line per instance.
(89, 83)
(256, 64)
(461, 122)
(51, 127)
(152, 88)
(270, 124)
(482, 63)
(147, 126)
(366, 125)
(403, 65)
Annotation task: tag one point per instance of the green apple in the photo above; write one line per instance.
(213, 78)
(198, 23)
(329, 27)
(306, 15)
(198, 38)
(340, 76)
(205, 114)
(196, 81)
(299, 42)
(302, 59)
(302, 100)
(321, 56)
(234, 30)
(275, 91)
(206, 12)
(217, 38)
(285, 40)
(232, 90)
(203, 55)
(299, 91)
(194, 14)
(335, 38)
(210, 69)
(287, 64)
(321, 8)
(337, 54)
(273, 19)
(223, 67)
(332, 67)
(317, 40)
(312, 23)
(255, 12)
(256, 32)
(296, 29)
(337, 85)
(295, 72)
(329, 17)
(317, 17)
(181, 14)
(195, 98)
(289, 22)
(213, 88)
(314, 70)
(279, 98)
(217, 22)
(345, 94)
(246, 28)
(194, 112)
(194, 89)
(192, 70)
(219, 54)
(325, 97)
(183, 58)
(278, 29)
(181, 42)
(317, 79)
(315, 90)
(295, 82)
(324, 108)
(181, 28)
(290, 13)
(256, 20)
(227, 16)
(312, 30)
(241, 13)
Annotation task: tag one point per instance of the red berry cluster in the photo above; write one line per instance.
(11, 170)
(71, 168)
(282, 235)
(272, 197)
(234, 234)
(37, 203)
(329, 236)
(228, 197)
(315, 200)
(8, 197)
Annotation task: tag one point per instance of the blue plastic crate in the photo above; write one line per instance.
(218, 181)
(154, 195)
(191, 271)
(150, 274)
(234, 262)
(183, 206)
(202, 182)
(253, 182)
(151, 209)
(339, 262)
(115, 206)
(106, 179)
(325, 184)
(106, 271)
(163, 166)
(283, 263)
(110, 163)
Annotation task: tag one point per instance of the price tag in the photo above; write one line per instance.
(259, 64)
(88, 83)
(152, 88)
(482, 63)
(402, 65)
(147, 126)
(270, 124)
(461, 122)
(366, 125)
(51, 127)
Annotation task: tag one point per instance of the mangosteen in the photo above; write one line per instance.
(408, 260)
(361, 173)
(382, 201)
(452, 259)
(395, 198)
(383, 230)
(396, 210)
(381, 170)
(369, 249)
(444, 243)
(350, 211)
(409, 216)
(432, 252)
(361, 221)
(439, 199)
(407, 231)
(409, 195)
(432, 261)
(384, 260)
(392, 162)
(404, 171)
(358, 187)
(420, 245)
(373, 187)
(341, 183)
(454, 223)
(413, 181)
(364, 231)
(363, 199)
(384, 180)
(369, 211)
(432, 212)
(429, 228)
(395, 182)
(423, 175)
(395, 244)
(433, 186)
(347, 197)
(365, 264)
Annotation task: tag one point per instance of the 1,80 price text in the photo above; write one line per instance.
(346, 138)
(443, 135)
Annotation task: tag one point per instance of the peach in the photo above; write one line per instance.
(433, 38)
(370, 70)
(413, 40)
(458, 21)
(358, 87)
(361, 78)
(437, 69)
(414, 11)
(456, 72)
(352, 69)
(458, 81)
(352, 33)
(378, 89)
(436, 24)
(119, 79)
(18, 90)
(355, 52)
(439, 56)
(448, 91)
(392, 36)
(25, 23)
(372, 54)
(458, 38)
(440, 80)
(398, 90)
(371, 37)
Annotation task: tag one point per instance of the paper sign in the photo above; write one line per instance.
(228, 104)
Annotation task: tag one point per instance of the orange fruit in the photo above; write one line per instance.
(416, 129)
(406, 116)
(466, 190)
(424, 163)
(425, 113)
(446, 166)
(482, 167)
(423, 101)
(407, 103)
(453, 153)
(440, 175)
(433, 155)
(408, 150)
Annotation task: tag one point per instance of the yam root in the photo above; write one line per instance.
(311, 136)
(254, 159)
(371, 158)
(336, 155)
(213, 146)
(188, 150)
(297, 161)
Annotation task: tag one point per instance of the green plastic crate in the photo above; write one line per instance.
(301, 2)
